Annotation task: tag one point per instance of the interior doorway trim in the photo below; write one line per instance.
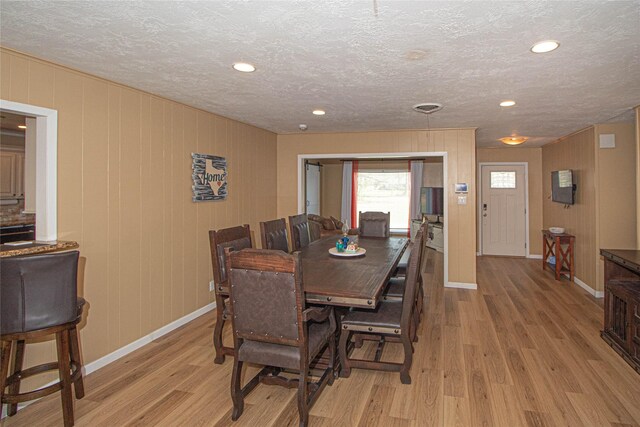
(526, 202)
(46, 166)
(360, 156)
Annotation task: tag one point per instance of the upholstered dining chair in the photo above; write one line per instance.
(38, 297)
(274, 235)
(238, 237)
(390, 321)
(374, 224)
(300, 236)
(272, 327)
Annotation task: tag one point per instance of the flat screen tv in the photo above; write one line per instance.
(563, 188)
(432, 201)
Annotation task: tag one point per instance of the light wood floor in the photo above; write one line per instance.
(521, 350)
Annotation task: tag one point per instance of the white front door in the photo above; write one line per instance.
(313, 189)
(502, 210)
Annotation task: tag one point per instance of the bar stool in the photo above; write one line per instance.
(38, 297)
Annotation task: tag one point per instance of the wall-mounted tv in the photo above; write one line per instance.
(563, 188)
(432, 201)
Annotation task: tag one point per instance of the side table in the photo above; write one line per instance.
(561, 246)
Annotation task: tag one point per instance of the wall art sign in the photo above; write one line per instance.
(209, 177)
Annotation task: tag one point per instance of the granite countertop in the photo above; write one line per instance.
(24, 219)
(36, 248)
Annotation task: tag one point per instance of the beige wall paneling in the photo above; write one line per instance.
(576, 152)
(616, 190)
(124, 193)
(459, 145)
(532, 156)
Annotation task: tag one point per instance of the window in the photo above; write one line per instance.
(503, 179)
(385, 191)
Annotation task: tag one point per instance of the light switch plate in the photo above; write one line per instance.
(462, 200)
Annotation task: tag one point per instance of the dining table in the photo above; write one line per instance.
(350, 281)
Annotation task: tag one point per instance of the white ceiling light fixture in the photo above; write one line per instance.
(244, 67)
(545, 46)
(22, 126)
(427, 107)
(508, 103)
(319, 112)
(513, 140)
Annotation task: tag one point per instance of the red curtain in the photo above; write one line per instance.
(354, 194)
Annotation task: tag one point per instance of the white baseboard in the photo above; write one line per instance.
(461, 285)
(534, 256)
(131, 347)
(597, 294)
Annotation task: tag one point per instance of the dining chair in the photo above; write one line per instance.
(273, 328)
(374, 224)
(274, 235)
(300, 237)
(38, 298)
(238, 237)
(390, 321)
(395, 287)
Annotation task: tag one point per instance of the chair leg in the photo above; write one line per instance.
(405, 378)
(217, 331)
(64, 368)
(345, 368)
(236, 390)
(74, 345)
(332, 359)
(303, 398)
(17, 367)
(359, 341)
(5, 359)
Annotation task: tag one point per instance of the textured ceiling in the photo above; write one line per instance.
(351, 58)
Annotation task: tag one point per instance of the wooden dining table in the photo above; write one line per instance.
(350, 281)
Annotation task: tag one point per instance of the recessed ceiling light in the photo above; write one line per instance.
(513, 140)
(22, 126)
(243, 67)
(545, 46)
(508, 103)
(319, 112)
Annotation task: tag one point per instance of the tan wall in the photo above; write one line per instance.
(124, 193)
(331, 190)
(461, 165)
(532, 156)
(637, 175)
(575, 152)
(616, 191)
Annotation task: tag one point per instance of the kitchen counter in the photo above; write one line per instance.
(36, 248)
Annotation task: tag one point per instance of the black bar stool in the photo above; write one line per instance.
(38, 297)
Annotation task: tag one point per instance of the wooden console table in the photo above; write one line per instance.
(622, 303)
(552, 244)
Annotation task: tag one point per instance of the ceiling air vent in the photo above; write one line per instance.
(427, 107)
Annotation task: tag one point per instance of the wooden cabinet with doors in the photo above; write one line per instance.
(11, 174)
(622, 303)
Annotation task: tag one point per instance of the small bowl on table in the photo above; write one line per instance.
(556, 230)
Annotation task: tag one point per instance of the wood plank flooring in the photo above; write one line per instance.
(521, 350)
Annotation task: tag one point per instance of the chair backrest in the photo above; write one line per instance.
(38, 291)
(412, 277)
(266, 296)
(315, 231)
(238, 237)
(374, 224)
(300, 237)
(274, 235)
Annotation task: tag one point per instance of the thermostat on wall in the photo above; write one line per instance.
(461, 187)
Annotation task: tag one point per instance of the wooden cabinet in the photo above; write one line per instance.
(11, 174)
(622, 303)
